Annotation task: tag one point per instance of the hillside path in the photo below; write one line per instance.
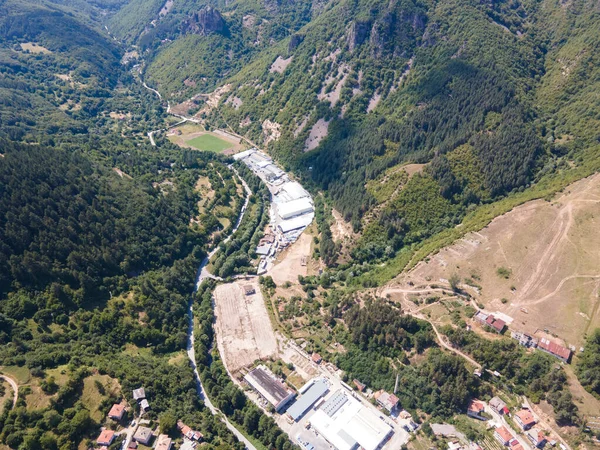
(14, 386)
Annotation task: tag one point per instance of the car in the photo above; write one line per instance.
(133, 423)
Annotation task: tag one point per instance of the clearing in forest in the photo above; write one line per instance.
(243, 328)
(195, 136)
(538, 264)
(209, 143)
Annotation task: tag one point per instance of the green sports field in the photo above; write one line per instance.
(209, 143)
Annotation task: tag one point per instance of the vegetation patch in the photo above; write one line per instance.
(209, 142)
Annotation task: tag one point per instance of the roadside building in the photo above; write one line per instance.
(269, 387)
(139, 394)
(525, 419)
(132, 445)
(316, 358)
(515, 445)
(360, 386)
(163, 442)
(316, 391)
(537, 438)
(188, 432)
(386, 400)
(143, 435)
(498, 405)
(116, 412)
(295, 208)
(476, 409)
(554, 349)
(502, 435)
(106, 437)
(489, 320)
(524, 339)
(144, 405)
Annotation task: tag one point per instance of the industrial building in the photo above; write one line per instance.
(294, 208)
(269, 387)
(317, 390)
(554, 349)
(348, 425)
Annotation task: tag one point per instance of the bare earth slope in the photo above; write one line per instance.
(552, 252)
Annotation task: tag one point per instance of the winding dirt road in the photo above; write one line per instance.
(14, 386)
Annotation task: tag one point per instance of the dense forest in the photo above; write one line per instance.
(588, 364)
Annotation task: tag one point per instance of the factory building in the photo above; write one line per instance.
(295, 208)
(269, 387)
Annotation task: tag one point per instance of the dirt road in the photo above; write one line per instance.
(14, 386)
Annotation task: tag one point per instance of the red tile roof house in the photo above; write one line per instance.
(116, 412)
(496, 324)
(525, 419)
(515, 445)
(106, 437)
(536, 437)
(316, 358)
(475, 409)
(503, 436)
(552, 348)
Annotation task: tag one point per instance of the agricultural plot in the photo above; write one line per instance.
(196, 137)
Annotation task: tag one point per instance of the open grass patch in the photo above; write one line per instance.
(20, 374)
(210, 143)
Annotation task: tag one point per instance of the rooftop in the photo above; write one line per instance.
(504, 433)
(554, 348)
(106, 437)
(476, 406)
(268, 386)
(318, 389)
(525, 416)
(139, 393)
(163, 442)
(116, 411)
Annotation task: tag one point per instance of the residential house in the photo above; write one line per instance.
(163, 442)
(139, 394)
(524, 339)
(515, 445)
(316, 358)
(525, 419)
(498, 405)
(106, 437)
(143, 435)
(537, 438)
(144, 405)
(497, 325)
(116, 412)
(502, 435)
(188, 432)
(360, 386)
(554, 349)
(475, 410)
(386, 400)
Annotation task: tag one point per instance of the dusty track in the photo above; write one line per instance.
(14, 386)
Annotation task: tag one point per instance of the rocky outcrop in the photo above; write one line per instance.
(206, 21)
(395, 30)
(359, 31)
(295, 41)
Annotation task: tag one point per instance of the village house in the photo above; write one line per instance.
(502, 435)
(525, 419)
(143, 435)
(188, 432)
(515, 445)
(476, 409)
(498, 405)
(163, 442)
(360, 386)
(489, 320)
(316, 358)
(106, 437)
(116, 412)
(554, 349)
(524, 339)
(139, 394)
(537, 438)
(386, 400)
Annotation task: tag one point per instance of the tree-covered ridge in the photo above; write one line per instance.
(588, 364)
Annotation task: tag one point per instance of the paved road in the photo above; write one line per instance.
(14, 386)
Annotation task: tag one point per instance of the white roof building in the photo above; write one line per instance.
(295, 208)
(295, 223)
(346, 423)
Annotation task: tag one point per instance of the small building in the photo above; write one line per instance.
(249, 289)
(502, 435)
(525, 419)
(116, 412)
(316, 358)
(387, 401)
(143, 435)
(144, 405)
(537, 438)
(139, 394)
(188, 432)
(498, 405)
(132, 445)
(106, 437)
(554, 349)
(163, 442)
(515, 445)
(497, 325)
(269, 387)
(524, 339)
(475, 410)
(360, 386)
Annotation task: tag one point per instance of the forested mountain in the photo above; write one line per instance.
(491, 95)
